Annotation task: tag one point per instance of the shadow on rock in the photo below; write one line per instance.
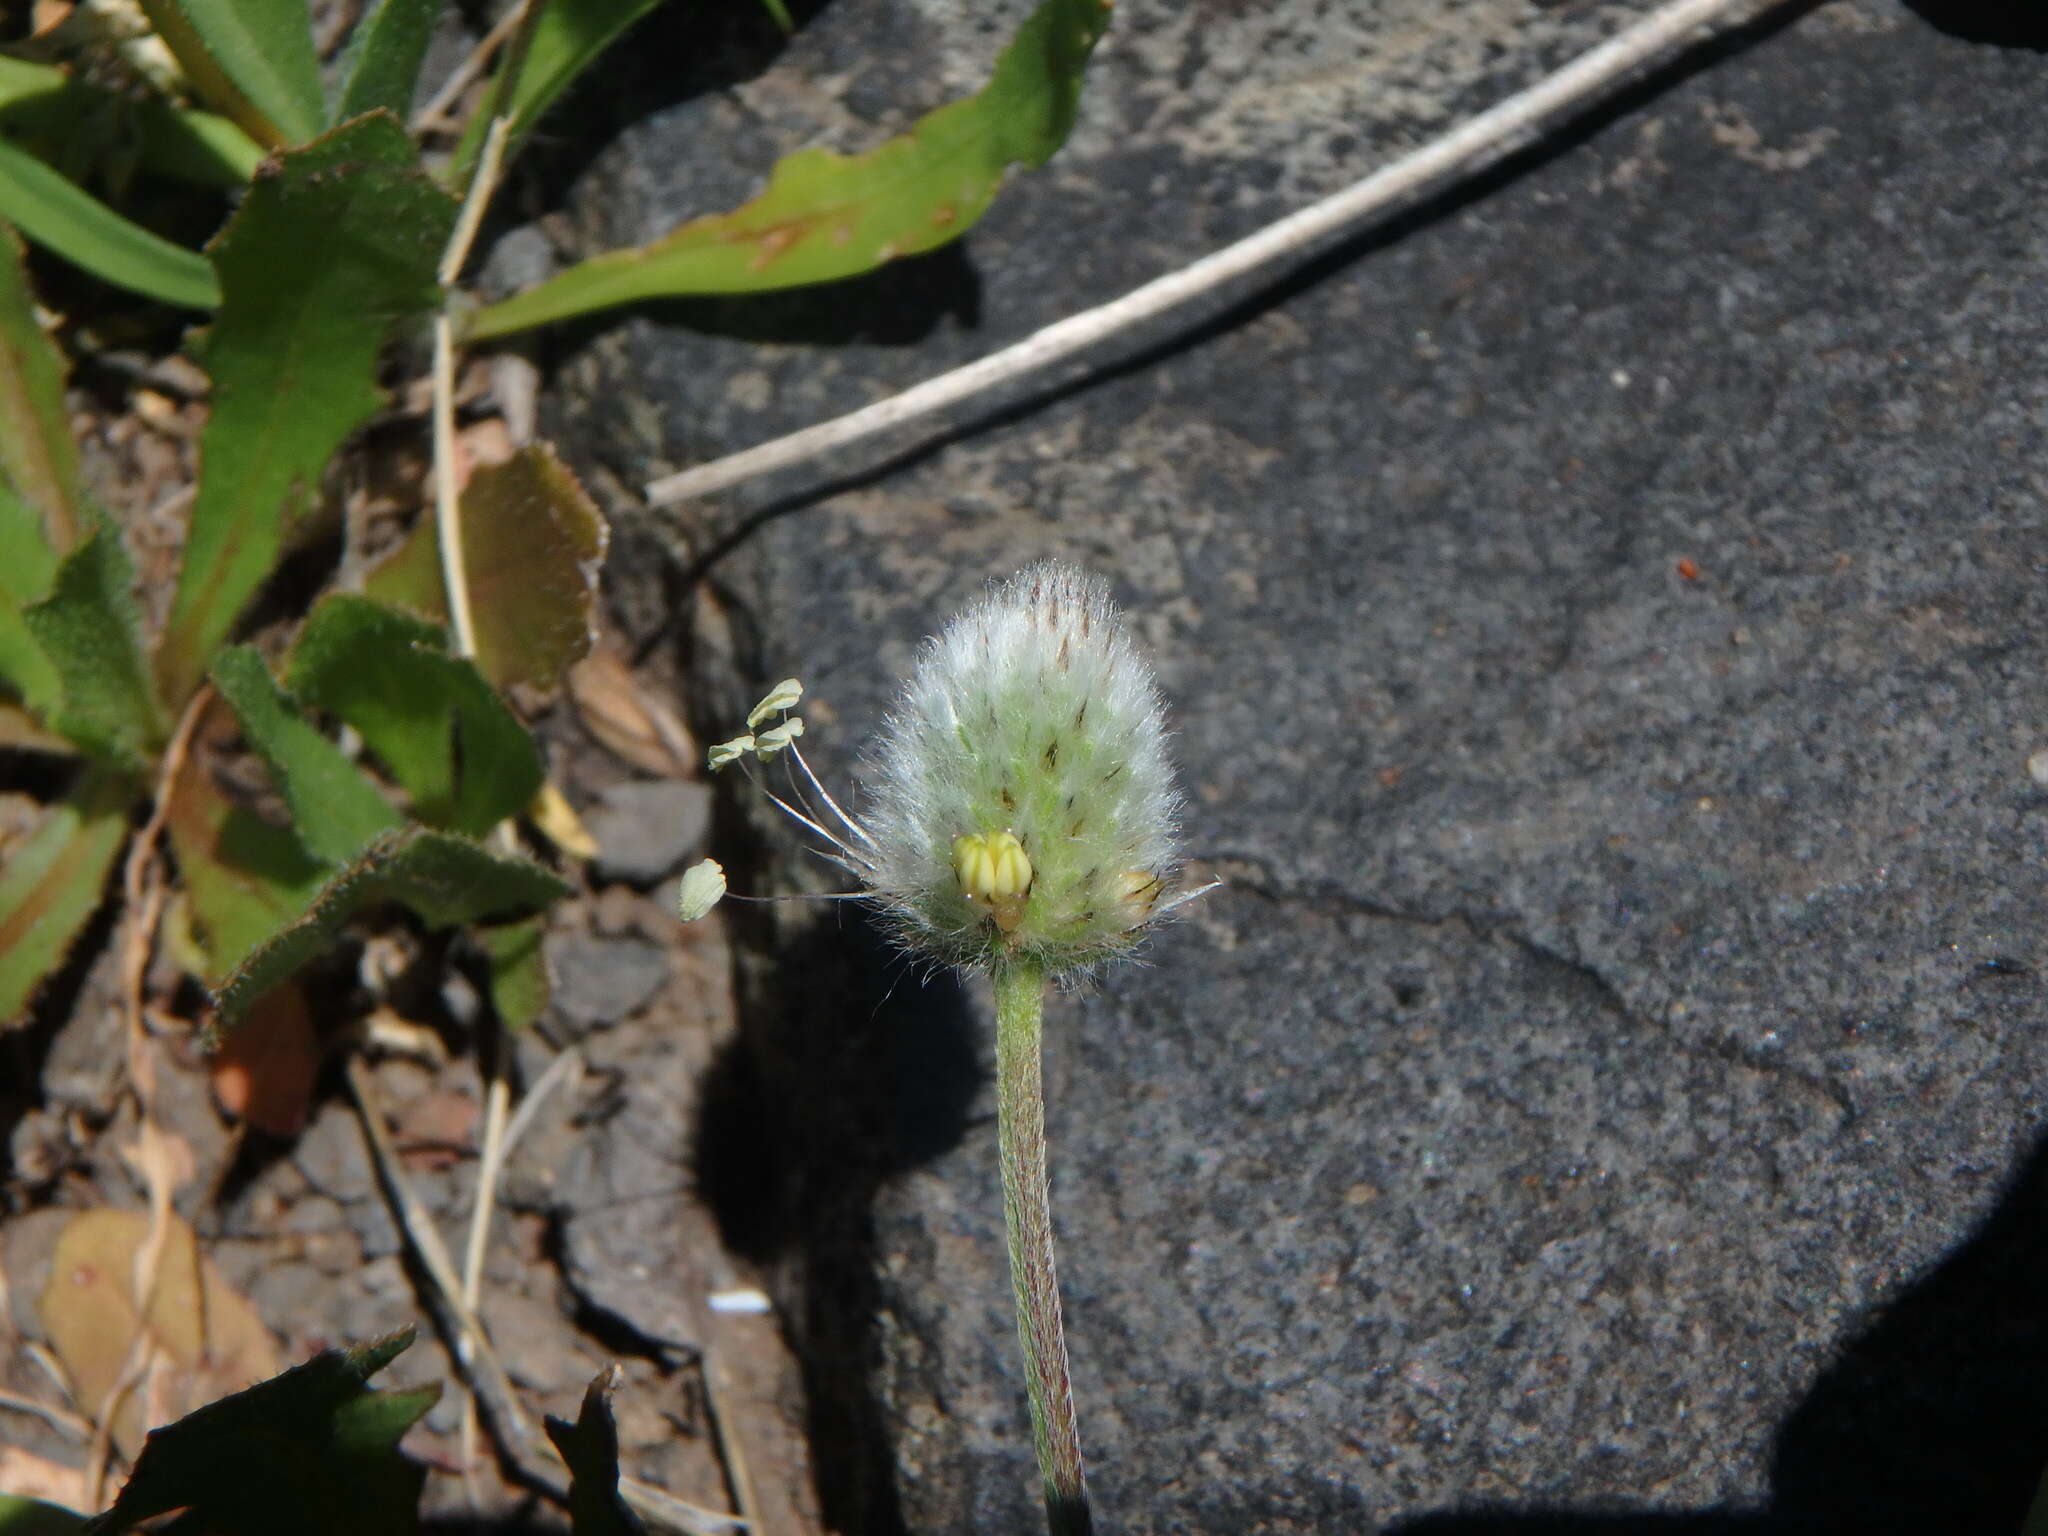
(849, 1071)
(1935, 1418)
(2006, 23)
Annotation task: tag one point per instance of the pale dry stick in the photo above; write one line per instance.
(462, 624)
(433, 116)
(447, 492)
(531, 1456)
(726, 1438)
(566, 1068)
(143, 892)
(142, 1343)
(49, 1413)
(1470, 147)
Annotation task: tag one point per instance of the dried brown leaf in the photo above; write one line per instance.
(625, 720)
(265, 1071)
(205, 1338)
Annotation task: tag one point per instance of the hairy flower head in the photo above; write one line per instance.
(1021, 803)
(1021, 795)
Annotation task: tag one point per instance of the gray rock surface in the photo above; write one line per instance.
(1606, 631)
(599, 981)
(645, 829)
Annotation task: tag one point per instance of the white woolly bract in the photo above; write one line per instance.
(1029, 714)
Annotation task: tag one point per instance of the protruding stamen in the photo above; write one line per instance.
(782, 696)
(730, 751)
(703, 886)
(774, 739)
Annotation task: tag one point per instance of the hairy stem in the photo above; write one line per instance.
(1034, 1279)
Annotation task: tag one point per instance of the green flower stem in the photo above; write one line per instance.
(1034, 1279)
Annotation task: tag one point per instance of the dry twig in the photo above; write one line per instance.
(1482, 141)
(531, 1458)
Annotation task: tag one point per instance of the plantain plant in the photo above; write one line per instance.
(348, 229)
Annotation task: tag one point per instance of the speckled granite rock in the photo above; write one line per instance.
(1606, 626)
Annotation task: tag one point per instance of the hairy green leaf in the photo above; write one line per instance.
(252, 59)
(51, 884)
(440, 728)
(382, 64)
(32, 1517)
(312, 1450)
(88, 629)
(335, 244)
(26, 566)
(49, 110)
(826, 215)
(37, 455)
(86, 232)
(533, 546)
(446, 880)
(336, 811)
(590, 1448)
(520, 986)
(567, 38)
(244, 879)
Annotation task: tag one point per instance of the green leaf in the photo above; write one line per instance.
(52, 883)
(88, 629)
(567, 37)
(252, 59)
(446, 880)
(825, 215)
(311, 1450)
(440, 728)
(334, 245)
(590, 1448)
(86, 232)
(533, 547)
(37, 454)
(45, 108)
(336, 811)
(26, 566)
(382, 65)
(520, 987)
(32, 1517)
(243, 879)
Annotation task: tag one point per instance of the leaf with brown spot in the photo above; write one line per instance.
(37, 454)
(205, 1339)
(826, 215)
(53, 882)
(533, 545)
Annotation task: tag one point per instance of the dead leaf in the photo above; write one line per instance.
(29, 1476)
(618, 712)
(556, 820)
(204, 1339)
(533, 544)
(265, 1072)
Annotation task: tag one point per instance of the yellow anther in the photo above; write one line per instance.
(730, 751)
(702, 888)
(1137, 891)
(995, 872)
(774, 739)
(782, 696)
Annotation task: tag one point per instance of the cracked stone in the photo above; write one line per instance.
(1636, 563)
